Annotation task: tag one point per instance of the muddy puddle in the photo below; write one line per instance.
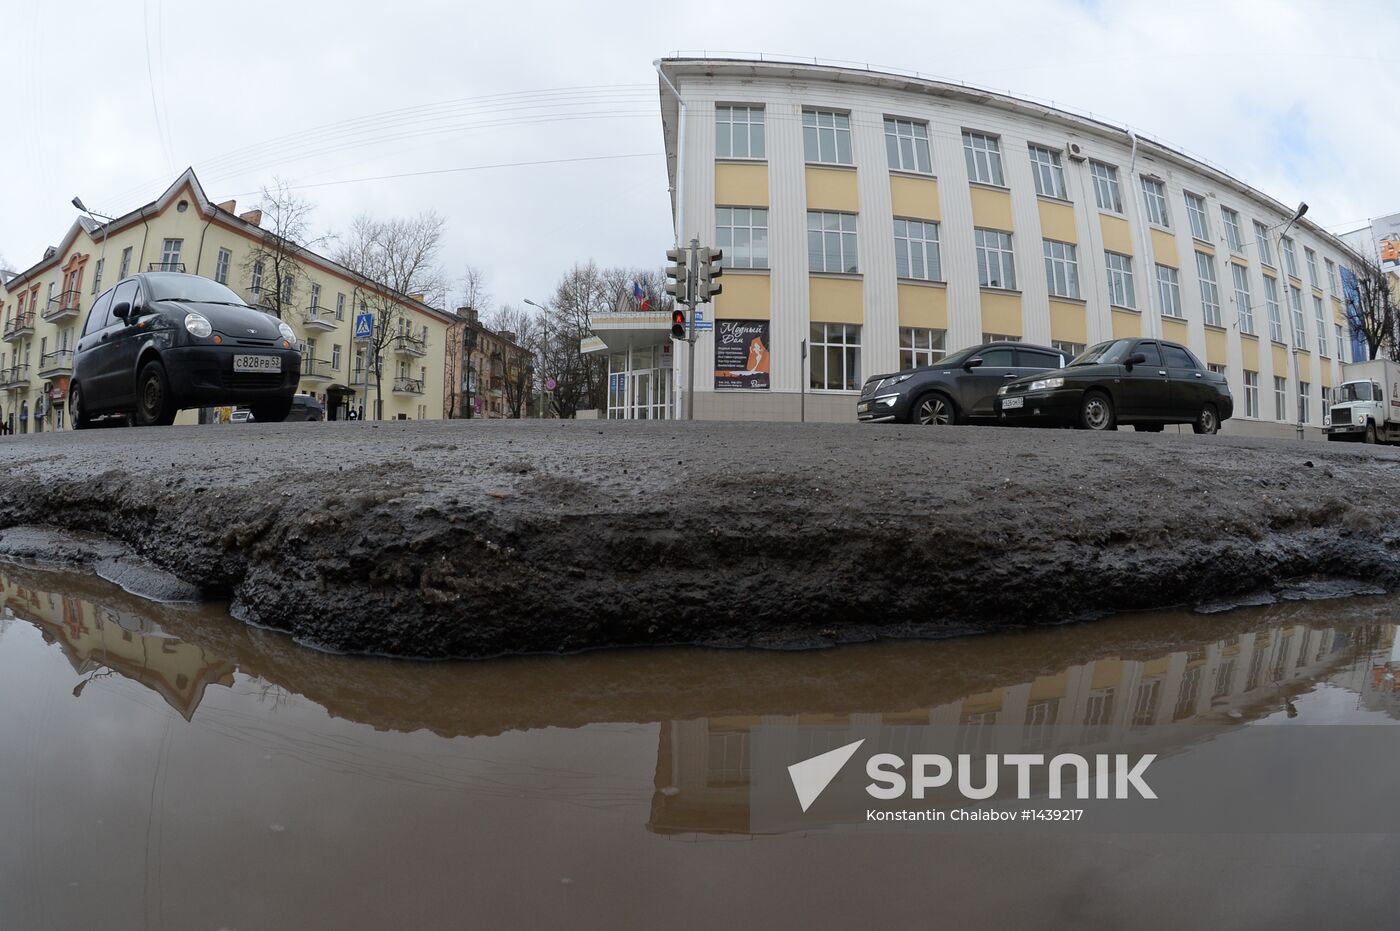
(169, 767)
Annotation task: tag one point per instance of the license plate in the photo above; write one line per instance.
(257, 363)
(1008, 404)
(863, 407)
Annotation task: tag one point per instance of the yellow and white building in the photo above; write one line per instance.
(887, 219)
(43, 308)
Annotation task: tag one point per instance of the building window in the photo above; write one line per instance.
(906, 143)
(742, 232)
(831, 242)
(1210, 292)
(1280, 399)
(1242, 306)
(1331, 276)
(221, 266)
(921, 346)
(1290, 258)
(1271, 303)
(1120, 279)
(126, 263)
(1154, 201)
(315, 298)
(1261, 238)
(996, 267)
(288, 282)
(1321, 317)
(257, 278)
(1106, 192)
(1196, 214)
(1169, 288)
(1300, 333)
(335, 357)
(835, 357)
(916, 250)
(1310, 257)
(983, 158)
(97, 275)
(170, 255)
(739, 132)
(1049, 175)
(1251, 393)
(1000, 338)
(1233, 237)
(1071, 350)
(340, 307)
(1061, 269)
(1341, 346)
(1304, 389)
(826, 137)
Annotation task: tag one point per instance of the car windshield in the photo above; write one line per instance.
(1108, 351)
(1356, 391)
(173, 286)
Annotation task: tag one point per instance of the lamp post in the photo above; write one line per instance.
(106, 227)
(1297, 375)
(544, 327)
(469, 340)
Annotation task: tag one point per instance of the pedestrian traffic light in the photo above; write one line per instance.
(677, 324)
(706, 286)
(676, 276)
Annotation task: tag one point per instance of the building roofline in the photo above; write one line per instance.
(210, 211)
(791, 68)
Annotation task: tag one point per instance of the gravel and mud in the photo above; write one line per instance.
(481, 538)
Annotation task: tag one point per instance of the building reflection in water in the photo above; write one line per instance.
(99, 640)
(703, 765)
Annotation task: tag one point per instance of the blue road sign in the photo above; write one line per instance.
(364, 326)
(701, 324)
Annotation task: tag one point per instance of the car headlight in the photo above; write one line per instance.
(1001, 390)
(198, 324)
(905, 377)
(287, 332)
(1044, 384)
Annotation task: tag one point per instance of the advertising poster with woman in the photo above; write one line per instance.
(741, 354)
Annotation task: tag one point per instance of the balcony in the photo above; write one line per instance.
(415, 347)
(315, 369)
(408, 386)
(22, 325)
(318, 318)
(56, 363)
(65, 306)
(16, 376)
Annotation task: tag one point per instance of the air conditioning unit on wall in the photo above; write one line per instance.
(1075, 152)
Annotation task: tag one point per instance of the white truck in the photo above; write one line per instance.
(1367, 405)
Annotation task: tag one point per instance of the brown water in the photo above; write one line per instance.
(168, 767)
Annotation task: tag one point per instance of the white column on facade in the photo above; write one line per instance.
(787, 239)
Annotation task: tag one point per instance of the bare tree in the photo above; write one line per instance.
(395, 260)
(521, 328)
(473, 289)
(275, 264)
(1371, 308)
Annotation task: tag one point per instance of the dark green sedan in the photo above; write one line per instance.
(1144, 383)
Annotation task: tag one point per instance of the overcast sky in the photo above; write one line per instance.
(111, 100)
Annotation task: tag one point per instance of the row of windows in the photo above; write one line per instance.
(832, 247)
(827, 140)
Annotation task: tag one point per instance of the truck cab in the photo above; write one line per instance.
(1359, 413)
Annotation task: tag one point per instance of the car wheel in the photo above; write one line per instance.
(1207, 421)
(155, 402)
(1370, 433)
(273, 411)
(934, 409)
(77, 409)
(1096, 412)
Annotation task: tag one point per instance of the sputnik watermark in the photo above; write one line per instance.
(1105, 776)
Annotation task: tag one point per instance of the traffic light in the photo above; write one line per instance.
(676, 276)
(677, 324)
(710, 268)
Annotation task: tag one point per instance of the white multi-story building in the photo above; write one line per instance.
(887, 219)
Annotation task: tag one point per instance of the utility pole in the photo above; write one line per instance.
(691, 272)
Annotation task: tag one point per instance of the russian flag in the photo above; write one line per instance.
(643, 302)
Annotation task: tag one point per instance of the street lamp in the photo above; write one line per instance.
(544, 326)
(106, 227)
(1297, 375)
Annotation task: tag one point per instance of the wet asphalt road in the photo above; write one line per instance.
(471, 538)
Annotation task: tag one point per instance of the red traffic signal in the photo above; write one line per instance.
(677, 324)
